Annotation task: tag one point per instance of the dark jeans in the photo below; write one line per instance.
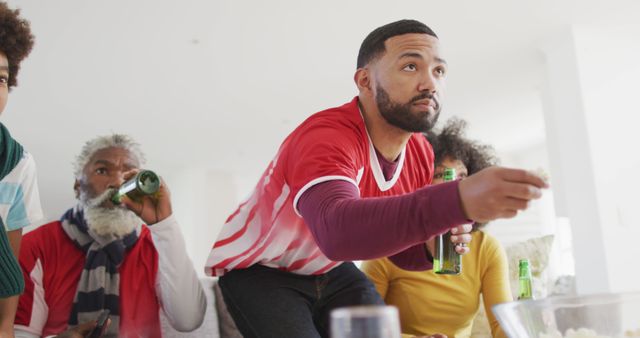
(267, 302)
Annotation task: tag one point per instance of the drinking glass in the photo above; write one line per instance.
(371, 321)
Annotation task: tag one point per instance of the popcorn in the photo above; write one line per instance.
(630, 333)
(584, 333)
(554, 334)
(541, 173)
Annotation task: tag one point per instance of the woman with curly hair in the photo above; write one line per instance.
(19, 200)
(430, 303)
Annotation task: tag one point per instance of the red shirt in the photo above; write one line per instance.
(52, 264)
(330, 145)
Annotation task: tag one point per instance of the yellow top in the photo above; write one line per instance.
(430, 303)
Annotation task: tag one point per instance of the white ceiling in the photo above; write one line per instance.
(219, 84)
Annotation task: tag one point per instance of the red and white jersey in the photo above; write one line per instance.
(330, 145)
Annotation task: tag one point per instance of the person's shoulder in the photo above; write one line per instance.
(43, 240)
(378, 267)
(47, 232)
(28, 159)
(420, 139)
(418, 143)
(145, 241)
(489, 246)
(382, 262)
(46, 229)
(487, 239)
(340, 128)
(27, 162)
(338, 119)
(26, 167)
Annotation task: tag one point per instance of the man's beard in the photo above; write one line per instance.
(400, 115)
(103, 221)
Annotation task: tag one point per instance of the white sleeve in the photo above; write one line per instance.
(25, 208)
(177, 285)
(24, 334)
(31, 192)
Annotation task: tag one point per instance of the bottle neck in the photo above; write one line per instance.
(524, 269)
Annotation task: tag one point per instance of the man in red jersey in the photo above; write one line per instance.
(352, 183)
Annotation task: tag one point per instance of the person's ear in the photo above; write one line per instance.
(76, 188)
(362, 78)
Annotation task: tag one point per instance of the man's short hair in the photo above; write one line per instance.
(16, 40)
(373, 45)
(102, 142)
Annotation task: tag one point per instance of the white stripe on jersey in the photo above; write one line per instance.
(279, 203)
(249, 237)
(39, 308)
(318, 181)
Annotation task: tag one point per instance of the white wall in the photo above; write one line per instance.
(201, 200)
(609, 72)
(591, 120)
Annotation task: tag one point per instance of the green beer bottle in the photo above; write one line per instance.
(446, 261)
(146, 182)
(525, 291)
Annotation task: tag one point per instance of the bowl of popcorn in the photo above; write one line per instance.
(593, 316)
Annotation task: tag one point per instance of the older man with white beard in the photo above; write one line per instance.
(102, 256)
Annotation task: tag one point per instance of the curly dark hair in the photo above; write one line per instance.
(16, 40)
(451, 142)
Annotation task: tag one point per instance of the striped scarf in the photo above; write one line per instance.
(99, 285)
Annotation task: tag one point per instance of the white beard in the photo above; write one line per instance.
(117, 221)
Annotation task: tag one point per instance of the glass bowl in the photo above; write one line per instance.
(602, 315)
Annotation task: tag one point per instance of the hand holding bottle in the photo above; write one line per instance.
(150, 208)
(497, 192)
(446, 257)
(460, 235)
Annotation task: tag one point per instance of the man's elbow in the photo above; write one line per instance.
(187, 322)
(337, 252)
(335, 246)
(334, 256)
(189, 325)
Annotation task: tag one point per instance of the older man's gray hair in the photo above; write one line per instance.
(103, 142)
